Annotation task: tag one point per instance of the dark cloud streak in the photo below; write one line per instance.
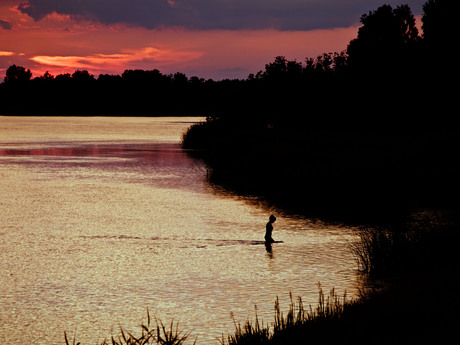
(215, 14)
(5, 25)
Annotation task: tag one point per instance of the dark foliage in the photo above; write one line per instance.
(366, 133)
(17, 74)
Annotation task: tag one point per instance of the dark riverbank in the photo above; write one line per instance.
(370, 141)
(366, 133)
(410, 312)
(401, 188)
(352, 175)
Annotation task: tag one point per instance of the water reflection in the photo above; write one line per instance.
(95, 231)
(143, 151)
(164, 154)
(269, 249)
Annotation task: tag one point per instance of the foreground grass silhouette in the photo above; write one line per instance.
(286, 328)
(292, 327)
(150, 334)
(403, 314)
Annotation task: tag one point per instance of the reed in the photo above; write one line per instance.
(420, 245)
(293, 326)
(150, 334)
(377, 250)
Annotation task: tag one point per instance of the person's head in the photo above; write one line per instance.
(272, 218)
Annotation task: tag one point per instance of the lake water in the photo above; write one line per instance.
(102, 218)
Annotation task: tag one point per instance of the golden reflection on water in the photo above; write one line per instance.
(103, 218)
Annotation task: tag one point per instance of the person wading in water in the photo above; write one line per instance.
(269, 229)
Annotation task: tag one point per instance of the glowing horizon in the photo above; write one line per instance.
(189, 52)
(61, 43)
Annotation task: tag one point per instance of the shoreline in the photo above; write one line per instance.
(416, 260)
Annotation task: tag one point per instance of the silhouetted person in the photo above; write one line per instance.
(269, 229)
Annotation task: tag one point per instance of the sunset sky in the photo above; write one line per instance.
(206, 38)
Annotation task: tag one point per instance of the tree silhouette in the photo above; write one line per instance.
(82, 76)
(65, 77)
(17, 74)
(440, 35)
(383, 40)
(440, 22)
(277, 69)
(46, 76)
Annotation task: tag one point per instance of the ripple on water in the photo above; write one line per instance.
(90, 240)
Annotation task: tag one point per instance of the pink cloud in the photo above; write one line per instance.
(63, 43)
(109, 63)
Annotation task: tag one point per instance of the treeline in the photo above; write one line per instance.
(135, 92)
(388, 75)
(370, 132)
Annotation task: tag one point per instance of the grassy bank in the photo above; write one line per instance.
(412, 295)
(390, 317)
(376, 180)
(353, 175)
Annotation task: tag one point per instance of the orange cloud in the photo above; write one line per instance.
(118, 61)
(62, 43)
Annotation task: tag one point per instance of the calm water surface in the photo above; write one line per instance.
(102, 218)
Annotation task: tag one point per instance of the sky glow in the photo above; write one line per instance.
(199, 38)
